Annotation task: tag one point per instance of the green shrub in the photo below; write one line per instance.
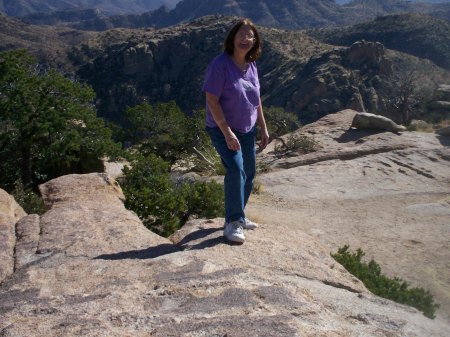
(163, 205)
(280, 122)
(297, 143)
(163, 129)
(151, 194)
(262, 167)
(30, 201)
(394, 289)
(419, 125)
(203, 199)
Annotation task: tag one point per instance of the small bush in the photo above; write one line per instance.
(201, 150)
(161, 204)
(297, 143)
(280, 122)
(262, 167)
(203, 199)
(257, 187)
(419, 125)
(30, 201)
(394, 289)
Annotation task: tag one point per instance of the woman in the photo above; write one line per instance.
(233, 106)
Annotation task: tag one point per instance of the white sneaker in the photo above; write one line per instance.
(249, 224)
(234, 231)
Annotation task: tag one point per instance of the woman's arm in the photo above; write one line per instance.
(262, 125)
(219, 118)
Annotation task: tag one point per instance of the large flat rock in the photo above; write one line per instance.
(97, 271)
(386, 193)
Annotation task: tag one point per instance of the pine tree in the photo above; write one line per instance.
(48, 123)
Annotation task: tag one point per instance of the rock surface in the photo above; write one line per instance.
(386, 193)
(10, 213)
(96, 271)
(440, 104)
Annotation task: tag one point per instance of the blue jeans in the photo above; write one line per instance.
(241, 169)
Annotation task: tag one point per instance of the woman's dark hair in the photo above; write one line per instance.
(253, 53)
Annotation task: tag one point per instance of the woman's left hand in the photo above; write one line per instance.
(264, 139)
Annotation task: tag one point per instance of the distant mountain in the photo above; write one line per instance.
(422, 1)
(127, 67)
(20, 8)
(288, 14)
(297, 72)
(292, 14)
(49, 44)
(415, 34)
(431, 1)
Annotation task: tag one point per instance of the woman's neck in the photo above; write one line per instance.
(239, 60)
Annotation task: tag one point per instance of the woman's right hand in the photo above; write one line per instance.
(232, 141)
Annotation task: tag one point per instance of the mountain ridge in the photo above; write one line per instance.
(299, 73)
(20, 8)
(288, 14)
(415, 34)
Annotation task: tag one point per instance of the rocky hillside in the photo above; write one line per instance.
(169, 64)
(416, 34)
(298, 72)
(441, 11)
(89, 267)
(109, 7)
(291, 14)
(49, 44)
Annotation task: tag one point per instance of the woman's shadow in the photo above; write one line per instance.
(192, 241)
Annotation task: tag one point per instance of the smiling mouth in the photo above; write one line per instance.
(245, 45)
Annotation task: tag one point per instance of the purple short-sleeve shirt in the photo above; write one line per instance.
(238, 92)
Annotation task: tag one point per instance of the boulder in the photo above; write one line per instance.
(361, 185)
(114, 168)
(356, 102)
(27, 239)
(138, 60)
(443, 106)
(443, 92)
(87, 217)
(364, 120)
(10, 213)
(364, 52)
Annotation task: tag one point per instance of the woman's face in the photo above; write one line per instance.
(244, 39)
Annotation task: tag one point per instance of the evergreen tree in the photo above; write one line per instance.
(160, 129)
(48, 124)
